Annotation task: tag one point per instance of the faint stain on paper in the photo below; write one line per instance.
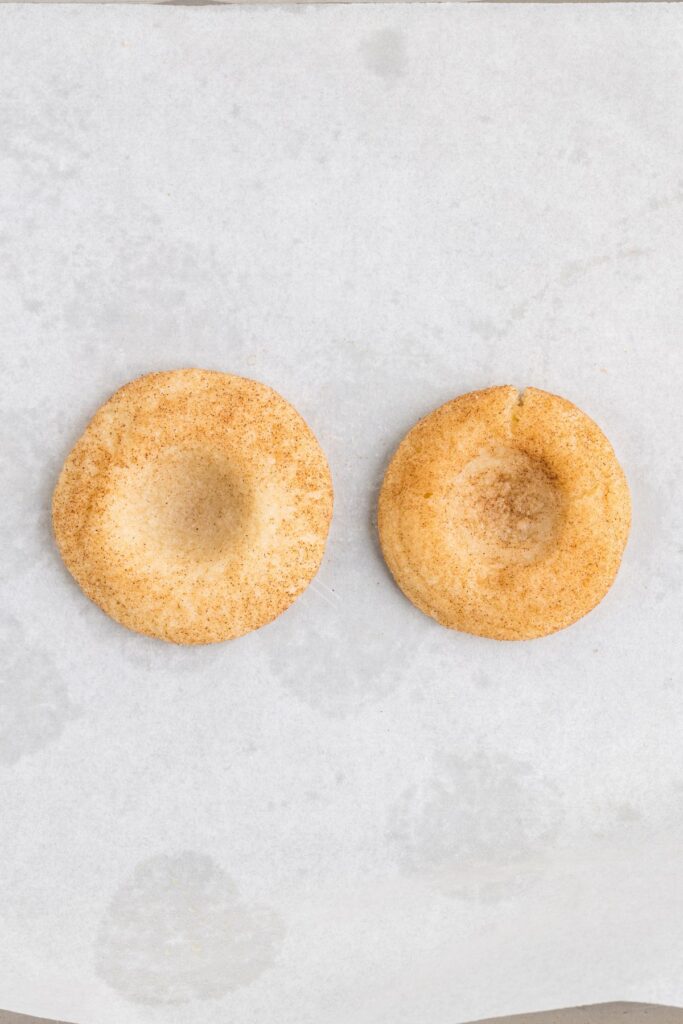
(34, 700)
(25, 506)
(359, 659)
(384, 54)
(177, 930)
(477, 828)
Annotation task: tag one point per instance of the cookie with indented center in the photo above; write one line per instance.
(505, 515)
(195, 507)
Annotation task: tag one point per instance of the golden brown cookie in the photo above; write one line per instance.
(505, 515)
(195, 507)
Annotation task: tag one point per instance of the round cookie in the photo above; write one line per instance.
(505, 515)
(195, 506)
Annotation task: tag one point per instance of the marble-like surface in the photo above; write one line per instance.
(351, 815)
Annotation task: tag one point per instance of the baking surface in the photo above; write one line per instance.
(352, 814)
(606, 1013)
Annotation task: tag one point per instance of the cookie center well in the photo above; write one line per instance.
(185, 503)
(507, 504)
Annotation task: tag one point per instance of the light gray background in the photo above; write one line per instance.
(353, 814)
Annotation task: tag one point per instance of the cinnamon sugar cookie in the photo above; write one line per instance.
(195, 507)
(503, 515)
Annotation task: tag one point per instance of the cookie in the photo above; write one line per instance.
(505, 515)
(195, 507)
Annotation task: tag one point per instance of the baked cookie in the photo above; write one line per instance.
(505, 515)
(195, 507)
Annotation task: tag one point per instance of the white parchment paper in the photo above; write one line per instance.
(352, 816)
